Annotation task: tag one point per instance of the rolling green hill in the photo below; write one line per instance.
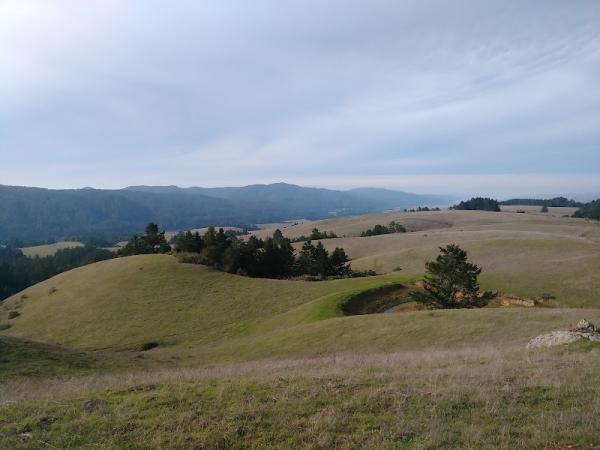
(521, 254)
(123, 303)
(198, 315)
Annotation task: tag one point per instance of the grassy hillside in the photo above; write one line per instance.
(195, 315)
(521, 254)
(49, 249)
(21, 358)
(256, 363)
(126, 302)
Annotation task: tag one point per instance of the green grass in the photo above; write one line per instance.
(49, 249)
(198, 315)
(471, 400)
(566, 269)
(20, 358)
(121, 304)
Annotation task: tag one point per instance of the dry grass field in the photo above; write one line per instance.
(237, 362)
(49, 249)
(521, 254)
(530, 209)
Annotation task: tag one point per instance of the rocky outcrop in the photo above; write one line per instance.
(583, 330)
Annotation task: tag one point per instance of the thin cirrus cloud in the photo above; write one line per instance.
(419, 95)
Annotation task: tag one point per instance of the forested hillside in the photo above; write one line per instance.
(30, 216)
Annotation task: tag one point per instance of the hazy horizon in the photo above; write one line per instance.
(579, 196)
(468, 98)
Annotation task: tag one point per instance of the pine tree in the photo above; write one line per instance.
(451, 281)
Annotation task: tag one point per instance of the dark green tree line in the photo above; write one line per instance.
(273, 257)
(480, 204)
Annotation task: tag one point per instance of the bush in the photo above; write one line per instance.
(590, 210)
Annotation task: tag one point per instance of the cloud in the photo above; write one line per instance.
(214, 92)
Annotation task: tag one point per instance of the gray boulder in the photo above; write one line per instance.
(583, 330)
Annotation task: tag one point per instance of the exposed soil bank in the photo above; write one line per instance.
(377, 300)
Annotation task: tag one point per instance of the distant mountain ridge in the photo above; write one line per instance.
(378, 198)
(31, 215)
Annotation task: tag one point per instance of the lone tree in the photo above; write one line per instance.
(451, 282)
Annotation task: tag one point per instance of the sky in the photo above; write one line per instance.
(493, 98)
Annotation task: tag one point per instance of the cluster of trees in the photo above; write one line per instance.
(273, 257)
(393, 227)
(451, 282)
(18, 271)
(316, 235)
(153, 241)
(421, 208)
(479, 203)
(589, 210)
(556, 202)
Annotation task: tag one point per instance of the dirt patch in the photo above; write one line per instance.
(513, 301)
(379, 300)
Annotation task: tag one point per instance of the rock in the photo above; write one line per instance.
(554, 338)
(583, 330)
(585, 326)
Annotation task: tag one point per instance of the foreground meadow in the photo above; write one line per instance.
(486, 397)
